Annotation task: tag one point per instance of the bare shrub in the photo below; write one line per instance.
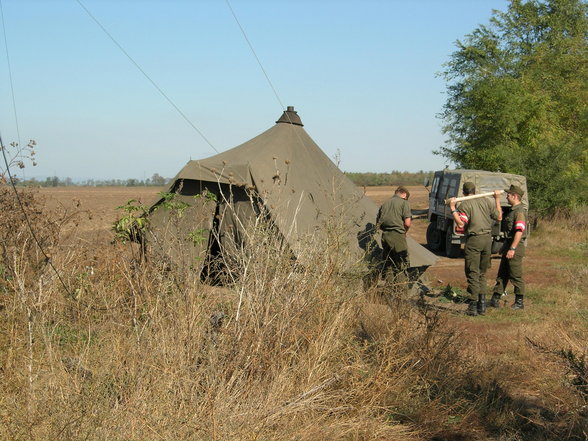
(19, 252)
(285, 351)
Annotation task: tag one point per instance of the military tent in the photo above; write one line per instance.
(283, 173)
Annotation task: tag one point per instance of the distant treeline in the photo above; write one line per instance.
(392, 178)
(155, 181)
(361, 179)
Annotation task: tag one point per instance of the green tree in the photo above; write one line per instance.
(518, 99)
(158, 180)
(52, 181)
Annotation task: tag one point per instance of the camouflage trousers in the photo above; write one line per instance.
(478, 250)
(511, 270)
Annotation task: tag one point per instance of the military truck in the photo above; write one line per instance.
(441, 234)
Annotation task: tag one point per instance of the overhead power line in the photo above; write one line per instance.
(255, 55)
(259, 62)
(10, 75)
(169, 100)
(7, 165)
(13, 184)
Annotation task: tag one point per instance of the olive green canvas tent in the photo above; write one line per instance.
(282, 173)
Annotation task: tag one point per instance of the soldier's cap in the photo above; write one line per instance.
(515, 190)
(468, 187)
(402, 189)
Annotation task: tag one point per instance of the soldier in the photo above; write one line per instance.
(394, 219)
(513, 251)
(475, 217)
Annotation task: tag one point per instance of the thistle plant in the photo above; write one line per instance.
(16, 157)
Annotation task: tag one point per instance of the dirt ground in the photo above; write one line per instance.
(96, 209)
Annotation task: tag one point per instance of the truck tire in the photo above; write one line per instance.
(434, 238)
(451, 250)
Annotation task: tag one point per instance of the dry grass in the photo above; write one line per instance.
(132, 352)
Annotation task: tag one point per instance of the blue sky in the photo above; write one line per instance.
(361, 74)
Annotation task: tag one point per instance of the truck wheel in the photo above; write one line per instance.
(434, 238)
(451, 250)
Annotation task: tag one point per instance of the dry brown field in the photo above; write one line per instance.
(484, 365)
(96, 209)
(96, 206)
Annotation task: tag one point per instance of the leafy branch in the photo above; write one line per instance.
(131, 226)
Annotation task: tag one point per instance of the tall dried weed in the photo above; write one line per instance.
(127, 351)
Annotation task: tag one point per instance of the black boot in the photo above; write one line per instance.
(472, 308)
(481, 304)
(495, 300)
(518, 304)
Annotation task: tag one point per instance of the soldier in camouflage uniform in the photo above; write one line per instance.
(394, 219)
(513, 251)
(476, 217)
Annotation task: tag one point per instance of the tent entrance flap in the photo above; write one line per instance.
(179, 230)
(234, 220)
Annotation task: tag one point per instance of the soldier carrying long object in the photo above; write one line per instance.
(475, 217)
